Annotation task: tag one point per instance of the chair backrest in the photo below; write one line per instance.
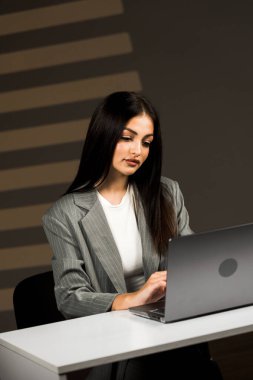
(34, 301)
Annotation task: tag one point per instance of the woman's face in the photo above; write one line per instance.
(133, 147)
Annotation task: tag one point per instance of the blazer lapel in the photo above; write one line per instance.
(97, 231)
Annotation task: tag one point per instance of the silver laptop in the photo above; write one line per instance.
(206, 273)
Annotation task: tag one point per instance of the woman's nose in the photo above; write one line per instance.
(135, 147)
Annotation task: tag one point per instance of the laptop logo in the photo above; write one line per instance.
(228, 267)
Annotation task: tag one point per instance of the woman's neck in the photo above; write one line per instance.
(113, 189)
(114, 182)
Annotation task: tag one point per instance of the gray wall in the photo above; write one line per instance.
(195, 59)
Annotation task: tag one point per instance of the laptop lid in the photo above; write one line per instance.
(209, 272)
(206, 273)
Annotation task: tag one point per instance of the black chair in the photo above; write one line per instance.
(34, 301)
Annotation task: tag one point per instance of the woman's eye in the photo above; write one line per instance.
(147, 143)
(126, 138)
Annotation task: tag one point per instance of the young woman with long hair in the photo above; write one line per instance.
(109, 231)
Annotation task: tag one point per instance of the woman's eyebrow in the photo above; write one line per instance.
(135, 133)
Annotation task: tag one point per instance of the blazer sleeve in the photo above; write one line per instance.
(75, 295)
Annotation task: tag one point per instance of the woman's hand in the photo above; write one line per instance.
(152, 291)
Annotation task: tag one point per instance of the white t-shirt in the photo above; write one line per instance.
(122, 221)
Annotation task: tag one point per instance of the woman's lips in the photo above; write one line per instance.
(133, 162)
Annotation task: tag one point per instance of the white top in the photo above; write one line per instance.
(122, 222)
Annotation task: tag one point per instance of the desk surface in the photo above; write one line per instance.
(85, 342)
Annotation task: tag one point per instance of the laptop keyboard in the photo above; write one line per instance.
(159, 311)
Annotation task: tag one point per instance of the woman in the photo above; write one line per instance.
(110, 231)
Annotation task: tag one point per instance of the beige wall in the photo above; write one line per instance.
(47, 74)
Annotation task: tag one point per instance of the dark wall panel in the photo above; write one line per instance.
(195, 59)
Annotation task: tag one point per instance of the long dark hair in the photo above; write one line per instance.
(105, 129)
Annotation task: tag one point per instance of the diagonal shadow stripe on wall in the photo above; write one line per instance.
(7, 6)
(21, 237)
(64, 33)
(68, 92)
(44, 16)
(43, 135)
(26, 256)
(67, 72)
(47, 115)
(43, 155)
(31, 196)
(38, 175)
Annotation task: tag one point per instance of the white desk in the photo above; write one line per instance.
(52, 351)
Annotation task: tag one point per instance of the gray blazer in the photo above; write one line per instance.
(86, 263)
